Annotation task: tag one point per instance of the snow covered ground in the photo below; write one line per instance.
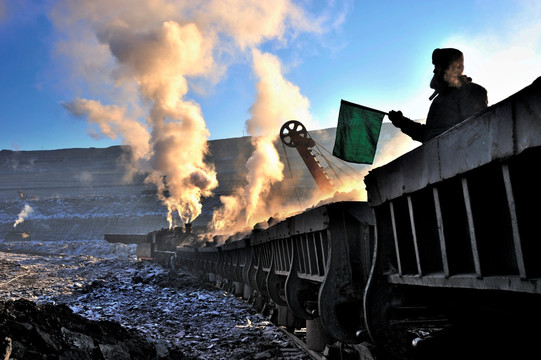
(82, 218)
(103, 281)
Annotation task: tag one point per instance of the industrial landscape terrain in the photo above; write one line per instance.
(82, 194)
(56, 207)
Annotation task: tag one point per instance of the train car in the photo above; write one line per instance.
(310, 269)
(457, 246)
(316, 264)
(160, 245)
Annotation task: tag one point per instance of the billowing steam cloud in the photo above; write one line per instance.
(277, 101)
(25, 212)
(149, 55)
(171, 143)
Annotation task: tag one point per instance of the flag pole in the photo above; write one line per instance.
(364, 107)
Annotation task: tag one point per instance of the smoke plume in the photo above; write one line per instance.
(277, 100)
(25, 212)
(155, 57)
(142, 60)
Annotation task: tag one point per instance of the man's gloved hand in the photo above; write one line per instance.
(396, 117)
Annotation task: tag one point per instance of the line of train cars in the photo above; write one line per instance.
(442, 261)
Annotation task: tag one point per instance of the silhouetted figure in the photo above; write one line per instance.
(456, 98)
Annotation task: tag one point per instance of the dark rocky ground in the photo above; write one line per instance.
(31, 331)
(79, 306)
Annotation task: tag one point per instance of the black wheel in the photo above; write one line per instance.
(290, 130)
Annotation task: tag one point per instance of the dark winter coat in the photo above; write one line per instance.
(450, 107)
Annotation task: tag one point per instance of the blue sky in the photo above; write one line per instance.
(375, 53)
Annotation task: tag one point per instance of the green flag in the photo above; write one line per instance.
(357, 133)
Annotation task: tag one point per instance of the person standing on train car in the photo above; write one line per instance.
(455, 96)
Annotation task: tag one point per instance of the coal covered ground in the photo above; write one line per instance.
(170, 312)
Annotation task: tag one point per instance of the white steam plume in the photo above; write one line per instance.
(277, 101)
(160, 60)
(149, 56)
(25, 212)
(170, 143)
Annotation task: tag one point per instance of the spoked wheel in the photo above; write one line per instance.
(291, 130)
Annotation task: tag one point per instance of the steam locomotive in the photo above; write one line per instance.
(442, 261)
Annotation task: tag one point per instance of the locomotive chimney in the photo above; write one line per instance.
(188, 228)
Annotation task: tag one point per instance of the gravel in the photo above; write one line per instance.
(177, 314)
